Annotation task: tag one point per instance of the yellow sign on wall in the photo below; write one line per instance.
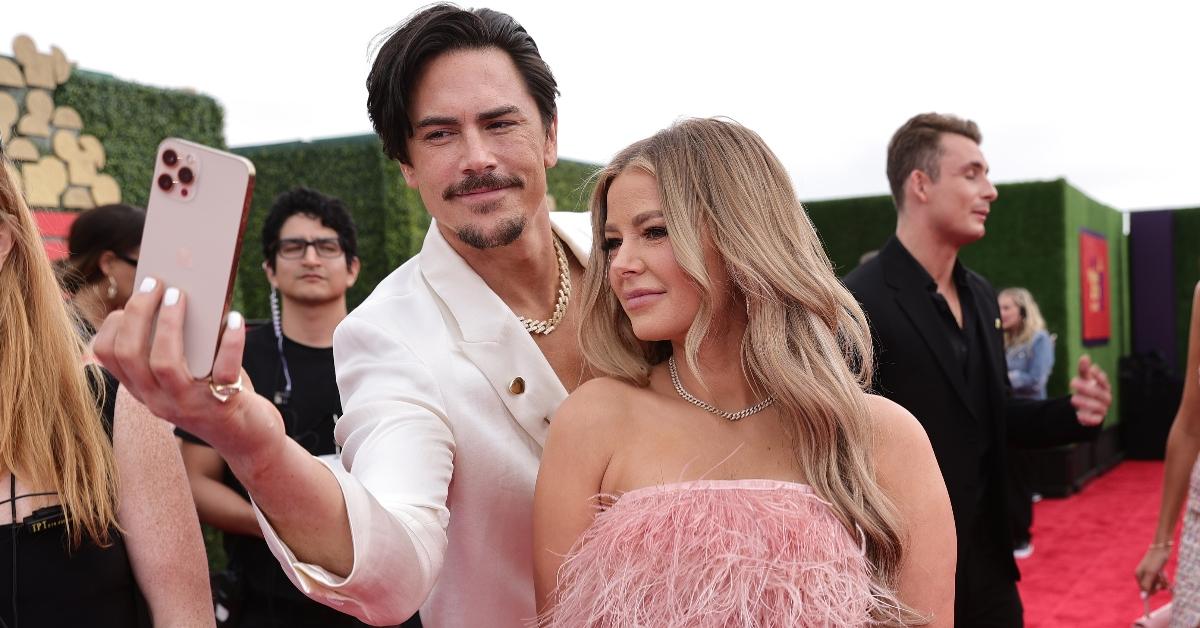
(57, 164)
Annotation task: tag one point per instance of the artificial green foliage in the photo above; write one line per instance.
(352, 169)
(1186, 247)
(851, 227)
(1031, 241)
(571, 184)
(390, 216)
(130, 120)
(1082, 212)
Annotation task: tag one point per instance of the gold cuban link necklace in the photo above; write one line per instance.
(704, 405)
(544, 327)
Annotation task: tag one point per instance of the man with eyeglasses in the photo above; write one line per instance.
(310, 258)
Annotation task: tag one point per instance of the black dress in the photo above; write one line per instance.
(45, 583)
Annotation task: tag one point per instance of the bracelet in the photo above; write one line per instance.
(1163, 545)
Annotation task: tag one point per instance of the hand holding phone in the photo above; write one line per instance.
(195, 219)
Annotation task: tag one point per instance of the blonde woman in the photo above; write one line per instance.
(1029, 352)
(96, 521)
(1183, 444)
(1028, 347)
(728, 467)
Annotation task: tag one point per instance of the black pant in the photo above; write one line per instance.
(1020, 497)
(985, 593)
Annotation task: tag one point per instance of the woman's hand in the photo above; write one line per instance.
(155, 372)
(1150, 575)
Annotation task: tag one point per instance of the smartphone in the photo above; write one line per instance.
(195, 218)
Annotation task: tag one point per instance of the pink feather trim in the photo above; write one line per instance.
(710, 553)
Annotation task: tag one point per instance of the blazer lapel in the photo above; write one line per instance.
(989, 320)
(493, 339)
(912, 296)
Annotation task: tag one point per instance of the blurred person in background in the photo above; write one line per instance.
(102, 261)
(96, 517)
(1183, 443)
(940, 355)
(1029, 351)
(1028, 347)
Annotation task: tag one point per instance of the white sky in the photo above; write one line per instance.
(1105, 94)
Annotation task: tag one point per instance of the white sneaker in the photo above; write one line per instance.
(1025, 551)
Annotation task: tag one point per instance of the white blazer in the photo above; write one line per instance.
(439, 453)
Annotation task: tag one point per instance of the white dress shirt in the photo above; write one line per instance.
(439, 454)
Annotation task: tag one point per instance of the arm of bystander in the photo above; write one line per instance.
(159, 522)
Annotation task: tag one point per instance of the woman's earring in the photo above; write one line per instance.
(112, 288)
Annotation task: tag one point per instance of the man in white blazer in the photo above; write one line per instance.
(449, 372)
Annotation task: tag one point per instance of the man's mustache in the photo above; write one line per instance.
(488, 181)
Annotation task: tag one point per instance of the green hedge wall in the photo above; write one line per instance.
(1031, 242)
(1081, 212)
(130, 120)
(1186, 249)
(390, 217)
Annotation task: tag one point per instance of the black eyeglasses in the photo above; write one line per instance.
(295, 248)
(125, 258)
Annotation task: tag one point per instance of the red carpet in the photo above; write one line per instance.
(1086, 548)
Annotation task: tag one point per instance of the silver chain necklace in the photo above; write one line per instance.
(704, 405)
(544, 327)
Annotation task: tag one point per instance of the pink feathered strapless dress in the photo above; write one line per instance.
(713, 553)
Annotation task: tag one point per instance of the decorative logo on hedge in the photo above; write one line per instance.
(56, 163)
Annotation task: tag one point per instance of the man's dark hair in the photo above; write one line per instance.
(439, 29)
(301, 200)
(116, 228)
(917, 145)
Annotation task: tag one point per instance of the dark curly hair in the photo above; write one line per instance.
(431, 32)
(330, 211)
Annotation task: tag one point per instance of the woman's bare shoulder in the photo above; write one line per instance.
(602, 403)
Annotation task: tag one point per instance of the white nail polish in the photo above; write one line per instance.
(171, 297)
(234, 321)
(148, 284)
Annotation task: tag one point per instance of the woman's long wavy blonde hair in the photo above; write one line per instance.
(1031, 317)
(807, 342)
(50, 427)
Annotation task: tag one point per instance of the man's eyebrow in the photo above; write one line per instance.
(976, 165)
(645, 216)
(492, 114)
(436, 121)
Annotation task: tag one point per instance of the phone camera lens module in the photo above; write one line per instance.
(165, 182)
(186, 176)
(170, 157)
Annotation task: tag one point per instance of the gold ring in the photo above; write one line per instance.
(224, 391)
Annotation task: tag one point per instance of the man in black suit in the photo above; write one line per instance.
(940, 353)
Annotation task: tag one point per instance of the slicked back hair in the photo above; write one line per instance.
(434, 31)
(917, 145)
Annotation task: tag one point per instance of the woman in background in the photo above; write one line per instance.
(1027, 345)
(103, 253)
(1183, 443)
(97, 527)
(810, 502)
(1029, 350)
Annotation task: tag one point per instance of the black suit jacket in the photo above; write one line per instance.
(916, 368)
